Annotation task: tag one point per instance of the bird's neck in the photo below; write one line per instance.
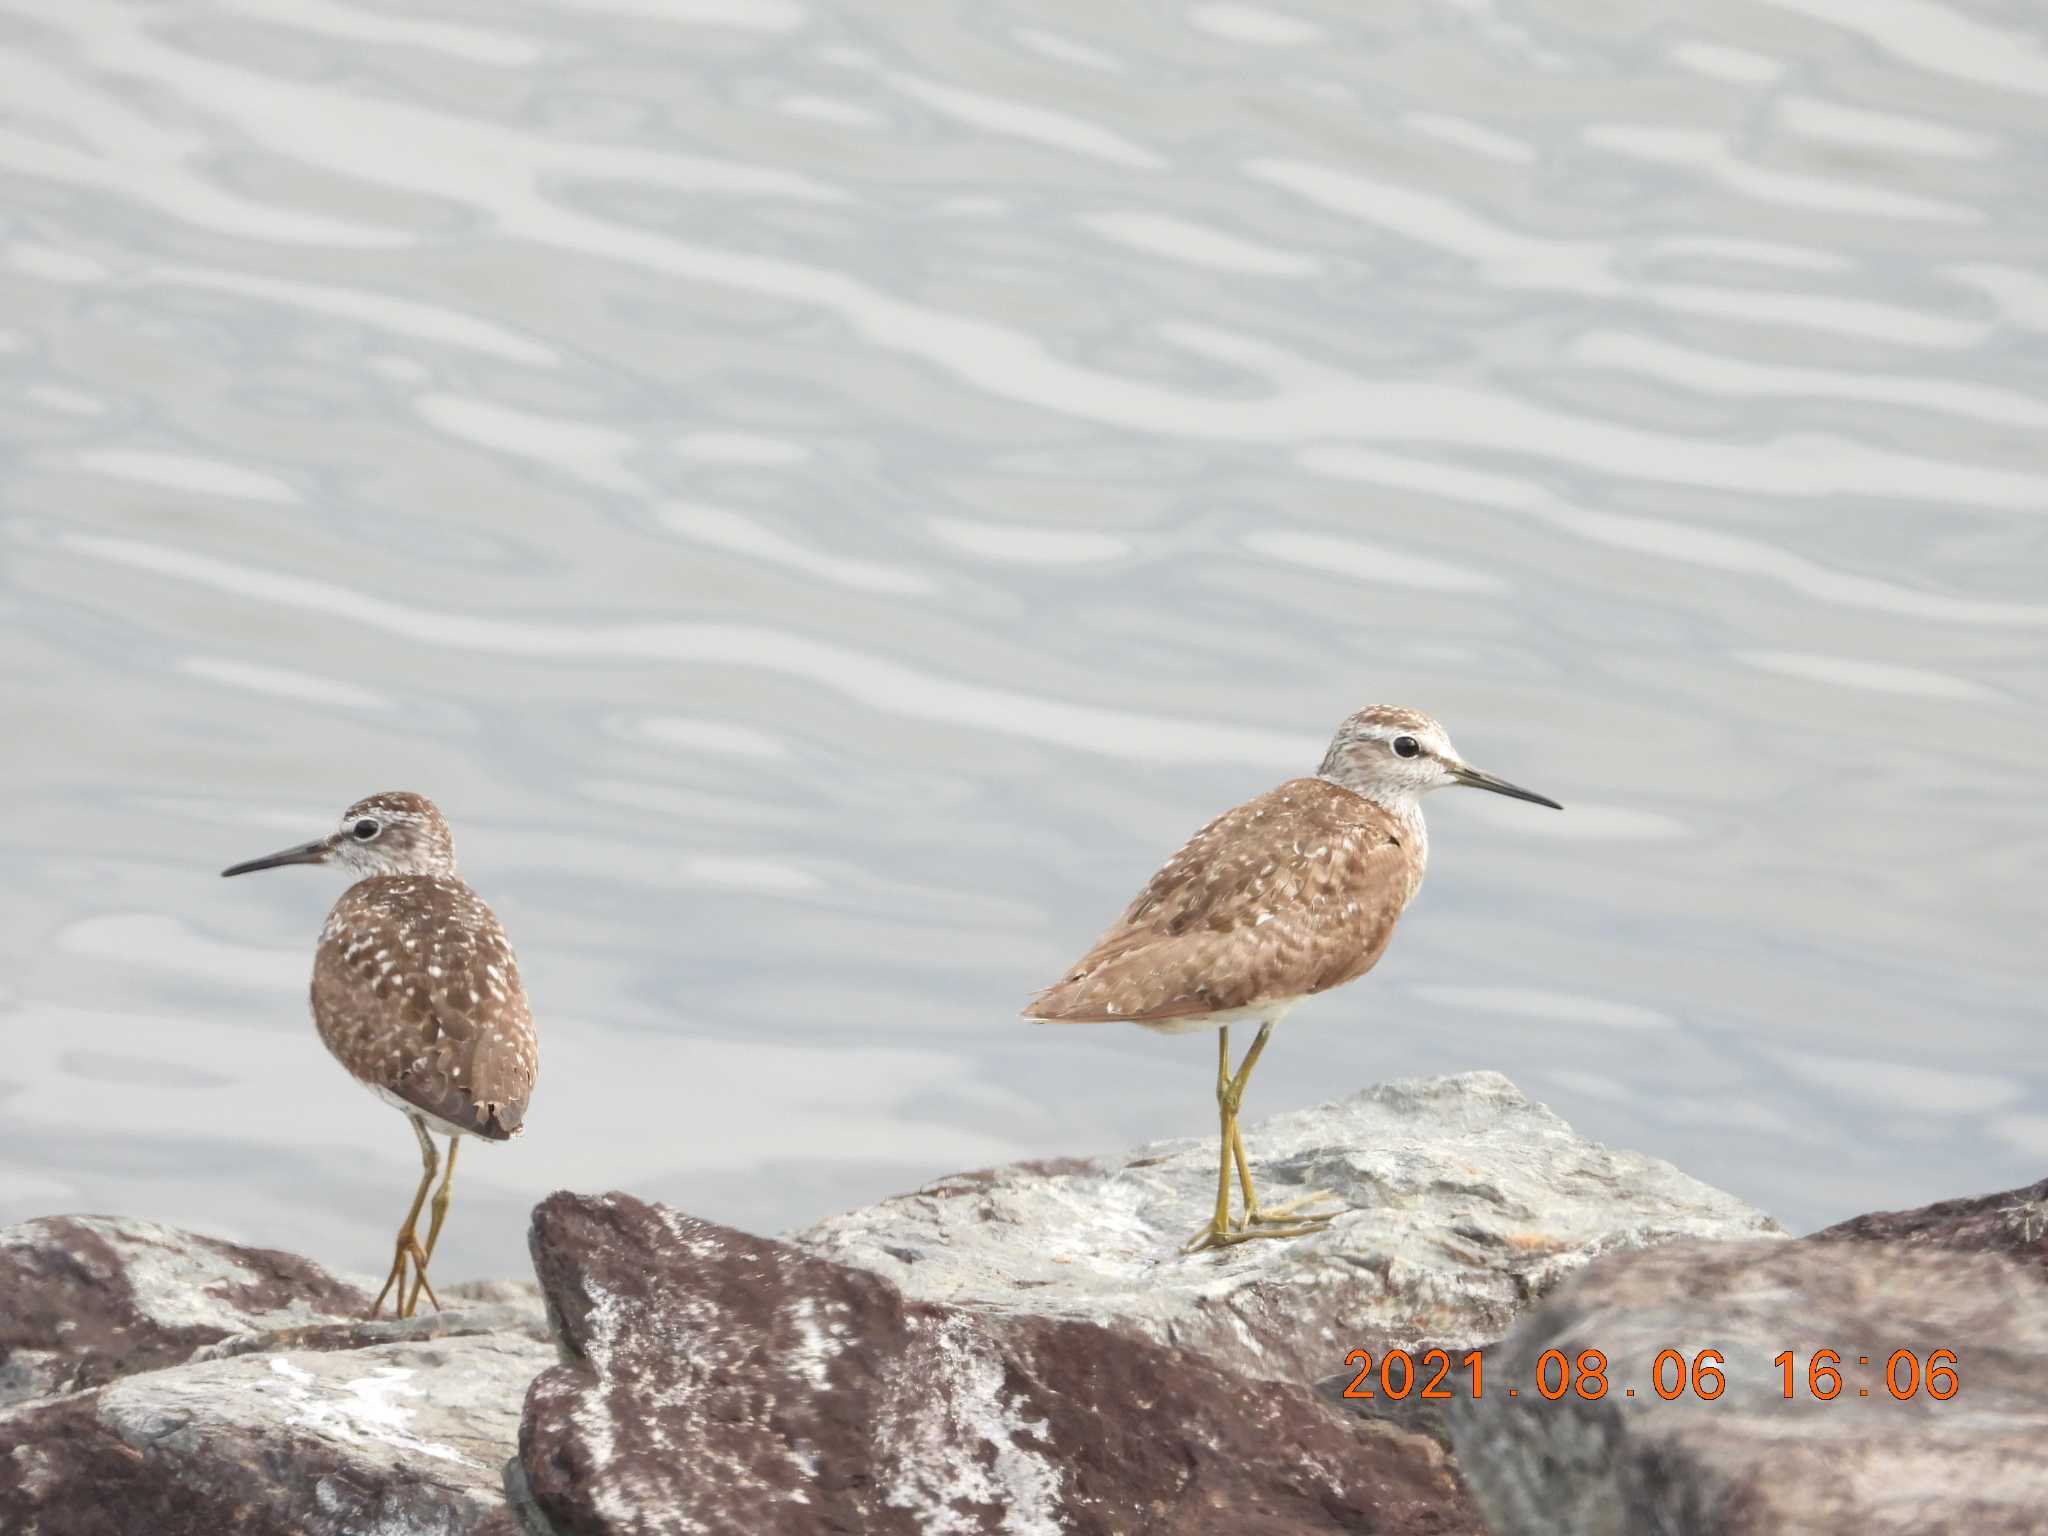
(1405, 808)
(407, 869)
(1418, 836)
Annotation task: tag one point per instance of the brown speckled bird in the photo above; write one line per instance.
(416, 992)
(1288, 895)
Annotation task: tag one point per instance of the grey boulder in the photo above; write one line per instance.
(1960, 1453)
(1463, 1200)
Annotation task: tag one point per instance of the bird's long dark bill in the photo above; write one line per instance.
(1480, 780)
(305, 853)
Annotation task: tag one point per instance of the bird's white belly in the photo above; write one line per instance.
(1256, 1013)
(434, 1122)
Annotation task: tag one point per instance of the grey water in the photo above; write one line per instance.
(827, 496)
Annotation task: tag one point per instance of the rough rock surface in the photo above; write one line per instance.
(1019, 1350)
(1467, 1200)
(719, 1382)
(1750, 1462)
(2014, 1223)
(84, 1299)
(174, 1384)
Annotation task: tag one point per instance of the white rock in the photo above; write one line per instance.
(1465, 1200)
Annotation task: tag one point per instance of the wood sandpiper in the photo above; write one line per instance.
(1290, 894)
(416, 992)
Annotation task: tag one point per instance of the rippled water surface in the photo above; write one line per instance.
(826, 498)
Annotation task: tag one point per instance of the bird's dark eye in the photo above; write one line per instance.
(1404, 746)
(365, 830)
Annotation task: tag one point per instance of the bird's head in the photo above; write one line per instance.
(1394, 756)
(395, 833)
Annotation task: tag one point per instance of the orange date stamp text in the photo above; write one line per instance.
(1436, 1375)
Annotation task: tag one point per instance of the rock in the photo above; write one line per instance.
(403, 1437)
(472, 1307)
(2014, 1223)
(84, 1299)
(233, 1389)
(718, 1382)
(1750, 1462)
(1022, 1349)
(1467, 1201)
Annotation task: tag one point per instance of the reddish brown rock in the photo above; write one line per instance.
(2014, 1223)
(64, 1471)
(229, 1389)
(719, 1382)
(87, 1299)
(201, 1456)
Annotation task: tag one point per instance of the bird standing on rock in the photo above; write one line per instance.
(416, 992)
(1290, 894)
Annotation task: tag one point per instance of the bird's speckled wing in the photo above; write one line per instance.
(416, 992)
(1295, 892)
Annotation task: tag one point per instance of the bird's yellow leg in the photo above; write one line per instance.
(1289, 1215)
(1226, 1113)
(1292, 1211)
(1218, 1230)
(1244, 1176)
(408, 1244)
(1280, 1215)
(441, 1198)
(1229, 1095)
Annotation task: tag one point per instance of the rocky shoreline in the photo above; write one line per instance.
(1021, 1350)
